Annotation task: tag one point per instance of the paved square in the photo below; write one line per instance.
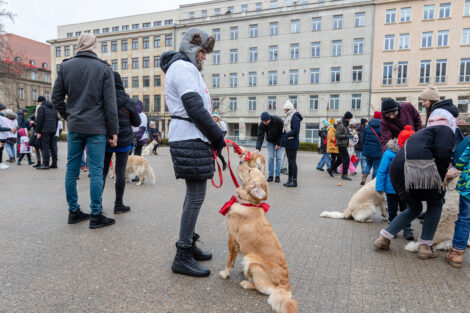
(47, 265)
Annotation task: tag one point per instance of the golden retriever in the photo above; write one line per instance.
(250, 234)
(149, 148)
(136, 166)
(363, 206)
(255, 159)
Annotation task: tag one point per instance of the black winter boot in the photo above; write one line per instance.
(270, 179)
(199, 255)
(345, 177)
(54, 165)
(38, 164)
(289, 180)
(119, 208)
(330, 172)
(78, 216)
(185, 263)
(97, 221)
(293, 183)
(408, 233)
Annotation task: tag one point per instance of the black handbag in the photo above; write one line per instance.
(34, 141)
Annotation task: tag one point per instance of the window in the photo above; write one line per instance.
(58, 52)
(145, 62)
(125, 82)
(67, 51)
(114, 46)
(443, 38)
(48, 96)
(233, 80)
(47, 78)
(251, 103)
(69, 35)
(402, 73)
(464, 70)
(146, 43)
(441, 70)
(405, 15)
(273, 4)
(233, 55)
(273, 53)
(168, 40)
(252, 79)
(156, 61)
(313, 103)
(216, 33)
(233, 104)
(215, 80)
(355, 101)
(253, 54)
(387, 73)
(358, 45)
(74, 49)
(191, 15)
(357, 74)
(96, 31)
(216, 57)
(337, 22)
(274, 28)
(21, 93)
(204, 13)
(259, 6)
(425, 72)
(146, 103)
(135, 26)
(466, 11)
(253, 31)
(216, 12)
(404, 41)
(444, 10)
(244, 8)
(389, 42)
(294, 26)
(234, 33)
(462, 103)
(215, 103)
(114, 65)
(34, 94)
(125, 27)
(146, 81)
(335, 74)
(336, 45)
(135, 63)
(157, 103)
(124, 64)
(157, 23)
(293, 99)
(426, 40)
(293, 77)
(124, 45)
(135, 82)
(390, 16)
(230, 9)
(104, 47)
(272, 78)
(272, 103)
(315, 49)
(34, 75)
(428, 12)
(157, 81)
(314, 75)
(294, 51)
(466, 36)
(316, 24)
(44, 65)
(334, 102)
(157, 42)
(77, 34)
(360, 19)
(135, 44)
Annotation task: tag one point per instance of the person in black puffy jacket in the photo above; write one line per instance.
(46, 127)
(192, 136)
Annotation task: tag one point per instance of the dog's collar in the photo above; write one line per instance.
(226, 207)
(248, 155)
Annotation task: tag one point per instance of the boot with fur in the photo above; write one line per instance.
(455, 257)
(382, 243)
(426, 252)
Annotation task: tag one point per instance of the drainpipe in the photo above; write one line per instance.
(371, 59)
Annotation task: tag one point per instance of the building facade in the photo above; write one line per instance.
(24, 71)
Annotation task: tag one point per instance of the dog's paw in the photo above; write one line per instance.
(247, 285)
(139, 183)
(224, 274)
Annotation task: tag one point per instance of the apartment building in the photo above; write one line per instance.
(421, 43)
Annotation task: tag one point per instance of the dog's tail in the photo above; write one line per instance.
(149, 173)
(332, 214)
(281, 301)
(412, 246)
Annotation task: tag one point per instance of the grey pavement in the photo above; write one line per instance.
(47, 265)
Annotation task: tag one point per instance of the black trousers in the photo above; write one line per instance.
(138, 149)
(334, 158)
(292, 160)
(2, 146)
(48, 143)
(343, 159)
(119, 171)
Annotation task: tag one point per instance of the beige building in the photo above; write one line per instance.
(421, 43)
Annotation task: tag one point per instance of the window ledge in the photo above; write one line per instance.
(467, 45)
(389, 50)
(443, 83)
(405, 22)
(407, 49)
(444, 18)
(463, 83)
(385, 23)
(428, 20)
(387, 85)
(426, 48)
(443, 47)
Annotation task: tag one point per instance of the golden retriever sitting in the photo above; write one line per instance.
(149, 148)
(363, 206)
(250, 234)
(136, 166)
(255, 159)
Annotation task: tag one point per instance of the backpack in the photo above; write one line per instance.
(460, 149)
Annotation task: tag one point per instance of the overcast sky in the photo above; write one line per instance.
(38, 19)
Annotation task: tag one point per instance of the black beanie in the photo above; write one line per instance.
(389, 105)
(118, 81)
(348, 115)
(41, 99)
(363, 121)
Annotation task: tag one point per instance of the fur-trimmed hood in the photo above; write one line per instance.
(11, 115)
(392, 144)
(194, 40)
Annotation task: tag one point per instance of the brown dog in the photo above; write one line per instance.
(253, 159)
(250, 233)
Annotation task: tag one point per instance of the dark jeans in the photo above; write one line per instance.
(38, 154)
(334, 159)
(292, 159)
(393, 204)
(119, 170)
(47, 143)
(1, 151)
(21, 156)
(343, 159)
(138, 149)
(431, 218)
(195, 194)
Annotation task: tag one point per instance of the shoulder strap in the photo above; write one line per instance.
(405, 149)
(375, 134)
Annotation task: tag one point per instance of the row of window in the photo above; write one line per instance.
(34, 94)
(46, 77)
(135, 63)
(123, 28)
(32, 62)
(157, 81)
(426, 40)
(428, 12)
(157, 103)
(424, 72)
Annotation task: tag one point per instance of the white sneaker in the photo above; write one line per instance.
(3, 166)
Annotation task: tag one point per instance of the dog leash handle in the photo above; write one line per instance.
(221, 179)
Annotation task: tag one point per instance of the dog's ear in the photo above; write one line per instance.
(258, 192)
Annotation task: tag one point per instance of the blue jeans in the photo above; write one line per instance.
(96, 145)
(325, 159)
(360, 159)
(462, 225)
(10, 149)
(274, 154)
(369, 164)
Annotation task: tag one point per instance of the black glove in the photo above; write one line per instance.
(218, 144)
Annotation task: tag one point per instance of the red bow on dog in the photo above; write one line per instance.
(224, 210)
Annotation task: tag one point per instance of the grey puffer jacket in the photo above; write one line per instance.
(47, 120)
(342, 133)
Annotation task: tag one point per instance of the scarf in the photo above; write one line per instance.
(288, 120)
(226, 207)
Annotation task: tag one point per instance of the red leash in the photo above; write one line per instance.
(238, 150)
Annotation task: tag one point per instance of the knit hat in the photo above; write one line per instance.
(24, 110)
(430, 93)
(194, 40)
(139, 105)
(22, 132)
(265, 116)
(288, 105)
(217, 114)
(2, 107)
(325, 123)
(377, 114)
(118, 81)
(87, 43)
(348, 115)
(363, 121)
(389, 105)
(404, 135)
(41, 99)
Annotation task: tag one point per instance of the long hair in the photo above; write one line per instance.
(428, 111)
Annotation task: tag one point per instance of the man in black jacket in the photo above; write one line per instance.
(271, 127)
(46, 127)
(91, 114)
